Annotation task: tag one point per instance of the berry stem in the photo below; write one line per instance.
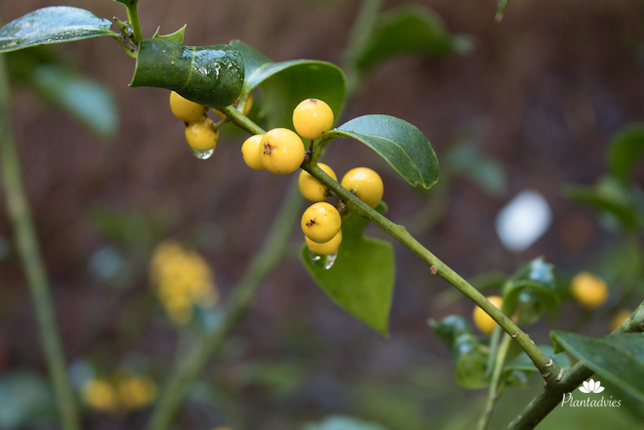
(20, 216)
(494, 393)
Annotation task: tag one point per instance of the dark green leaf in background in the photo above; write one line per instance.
(409, 29)
(403, 145)
(55, 24)
(362, 279)
(626, 150)
(284, 85)
(209, 75)
(341, 422)
(88, 101)
(618, 357)
(25, 400)
(467, 161)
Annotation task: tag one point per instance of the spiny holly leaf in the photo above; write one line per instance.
(617, 357)
(177, 36)
(361, 280)
(285, 84)
(209, 75)
(403, 145)
(55, 24)
(626, 149)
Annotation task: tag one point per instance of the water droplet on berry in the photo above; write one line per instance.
(202, 155)
(323, 261)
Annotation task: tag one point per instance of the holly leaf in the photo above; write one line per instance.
(617, 357)
(285, 84)
(403, 145)
(54, 24)
(177, 36)
(361, 281)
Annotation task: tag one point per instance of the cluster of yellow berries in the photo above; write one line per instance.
(183, 280)
(201, 132)
(123, 392)
(282, 151)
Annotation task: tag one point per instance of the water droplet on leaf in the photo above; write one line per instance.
(202, 155)
(323, 261)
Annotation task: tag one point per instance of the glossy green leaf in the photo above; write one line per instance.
(618, 358)
(54, 24)
(342, 422)
(285, 84)
(88, 101)
(622, 201)
(177, 36)
(361, 280)
(408, 29)
(209, 75)
(530, 292)
(403, 145)
(626, 150)
(25, 401)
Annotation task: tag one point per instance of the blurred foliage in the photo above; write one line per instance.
(25, 400)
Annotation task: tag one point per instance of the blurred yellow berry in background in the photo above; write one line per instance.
(136, 392)
(589, 290)
(183, 280)
(619, 318)
(482, 320)
(99, 394)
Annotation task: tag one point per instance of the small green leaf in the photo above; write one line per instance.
(626, 149)
(403, 145)
(90, 102)
(618, 358)
(408, 29)
(209, 75)
(177, 36)
(128, 3)
(622, 201)
(450, 329)
(530, 292)
(54, 24)
(26, 400)
(284, 85)
(341, 422)
(361, 280)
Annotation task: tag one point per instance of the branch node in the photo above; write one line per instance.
(560, 375)
(433, 269)
(514, 334)
(550, 363)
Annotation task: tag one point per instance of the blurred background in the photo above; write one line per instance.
(532, 104)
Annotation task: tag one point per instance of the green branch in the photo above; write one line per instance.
(271, 254)
(493, 393)
(550, 397)
(25, 236)
(133, 18)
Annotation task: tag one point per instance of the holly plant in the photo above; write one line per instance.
(301, 101)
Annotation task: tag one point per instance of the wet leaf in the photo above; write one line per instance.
(209, 75)
(618, 357)
(361, 281)
(54, 24)
(403, 145)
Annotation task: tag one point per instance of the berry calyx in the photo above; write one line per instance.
(311, 188)
(312, 118)
(325, 248)
(281, 151)
(365, 184)
(200, 134)
(186, 110)
(250, 152)
(321, 222)
(589, 290)
(482, 320)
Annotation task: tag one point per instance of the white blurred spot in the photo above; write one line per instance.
(523, 220)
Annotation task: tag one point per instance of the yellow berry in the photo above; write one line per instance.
(311, 188)
(200, 135)
(620, 317)
(312, 118)
(99, 394)
(281, 151)
(589, 290)
(321, 222)
(365, 184)
(186, 110)
(326, 247)
(136, 392)
(482, 320)
(250, 152)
